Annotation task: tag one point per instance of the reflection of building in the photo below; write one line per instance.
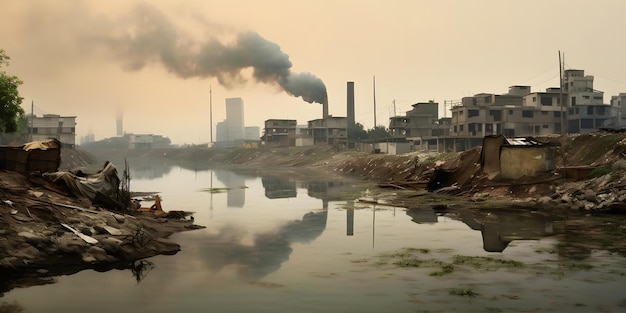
(279, 187)
(62, 128)
(236, 192)
(499, 229)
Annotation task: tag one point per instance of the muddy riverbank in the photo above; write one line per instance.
(36, 246)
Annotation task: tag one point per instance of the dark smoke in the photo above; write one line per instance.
(155, 39)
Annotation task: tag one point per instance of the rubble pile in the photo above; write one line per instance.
(46, 231)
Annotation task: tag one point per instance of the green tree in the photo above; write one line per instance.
(10, 100)
(378, 132)
(357, 132)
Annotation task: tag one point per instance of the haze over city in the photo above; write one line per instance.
(156, 61)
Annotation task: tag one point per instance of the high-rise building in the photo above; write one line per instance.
(119, 122)
(234, 119)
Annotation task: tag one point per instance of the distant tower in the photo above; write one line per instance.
(350, 103)
(119, 122)
(234, 118)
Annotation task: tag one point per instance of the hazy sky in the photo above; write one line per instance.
(155, 61)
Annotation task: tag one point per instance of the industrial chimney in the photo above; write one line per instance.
(325, 107)
(350, 103)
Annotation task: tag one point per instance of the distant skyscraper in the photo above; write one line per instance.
(119, 122)
(234, 118)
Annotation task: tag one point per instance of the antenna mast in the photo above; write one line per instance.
(374, 84)
(561, 94)
(211, 115)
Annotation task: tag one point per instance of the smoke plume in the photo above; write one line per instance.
(153, 38)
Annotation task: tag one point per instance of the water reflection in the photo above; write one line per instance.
(498, 227)
(228, 247)
(236, 187)
(277, 187)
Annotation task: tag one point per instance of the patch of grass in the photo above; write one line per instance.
(445, 269)
(414, 262)
(420, 250)
(600, 171)
(405, 253)
(215, 190)
(485, 262)
(578, 266)
(464, 292)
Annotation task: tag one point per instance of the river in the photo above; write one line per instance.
(283, 243)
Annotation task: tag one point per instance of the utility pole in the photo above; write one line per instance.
(374, 84)
(394, 108)
(211, 117)
(561, 95)
(32, 118)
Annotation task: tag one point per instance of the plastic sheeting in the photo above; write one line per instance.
(103, 183)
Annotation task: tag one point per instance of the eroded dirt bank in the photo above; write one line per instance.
(34, 246)
(38, 242)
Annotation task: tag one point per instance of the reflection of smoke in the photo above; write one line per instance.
(153, 38)
(269, 250)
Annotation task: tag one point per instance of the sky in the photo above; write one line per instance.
(162, 65)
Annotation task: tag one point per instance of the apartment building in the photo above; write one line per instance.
(586, 109)
(62, 128)
(278, 132)
(420, 125)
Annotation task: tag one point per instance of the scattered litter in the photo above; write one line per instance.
(84, 237)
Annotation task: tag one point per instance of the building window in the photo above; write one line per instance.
(557, 114)
(586, 123)
(546, 126)
(509, 132)
(461, 127)
(586, 97)
(472, 113)
(600, 110)
(590, 110)
(527, 113)
(455, 128)
(534, 99)
(546, 100)
(573, 101)
(510, 112)
(35, 130)
(496, 114)
(544, 112)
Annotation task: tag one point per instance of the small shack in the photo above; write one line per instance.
(36, 156)
(513, 158)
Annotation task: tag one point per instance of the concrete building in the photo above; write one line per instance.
(62, 128)
(231, 132)
(278, 132)
(619, 103)
(421, 125)
(586, 109)
(234, 118)
(330, 130)
(252, 133)
(147, 141)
